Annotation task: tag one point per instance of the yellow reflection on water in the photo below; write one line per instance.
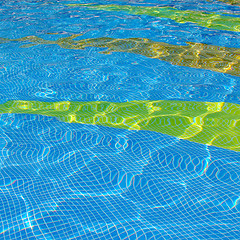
(194, 55)
(212, 123)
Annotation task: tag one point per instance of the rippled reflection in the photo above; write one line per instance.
(209, 20)
(216, 124)
(195, 55)
(122, 169)
(233, 2)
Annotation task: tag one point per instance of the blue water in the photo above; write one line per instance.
(74, 181)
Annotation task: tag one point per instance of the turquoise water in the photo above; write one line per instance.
(61, 180)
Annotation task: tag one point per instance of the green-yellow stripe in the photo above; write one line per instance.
(232, 2)
(212, 123)
(209, 20)
(194, 55)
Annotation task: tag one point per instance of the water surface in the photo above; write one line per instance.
(119, 119)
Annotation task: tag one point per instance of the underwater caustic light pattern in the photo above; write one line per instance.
(119, 122)
(209, 20)
(63, 181)
(194, 55)
(216, 124)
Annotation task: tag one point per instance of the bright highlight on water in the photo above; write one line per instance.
(212, 123)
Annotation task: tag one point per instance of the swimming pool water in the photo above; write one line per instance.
(119, 119)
